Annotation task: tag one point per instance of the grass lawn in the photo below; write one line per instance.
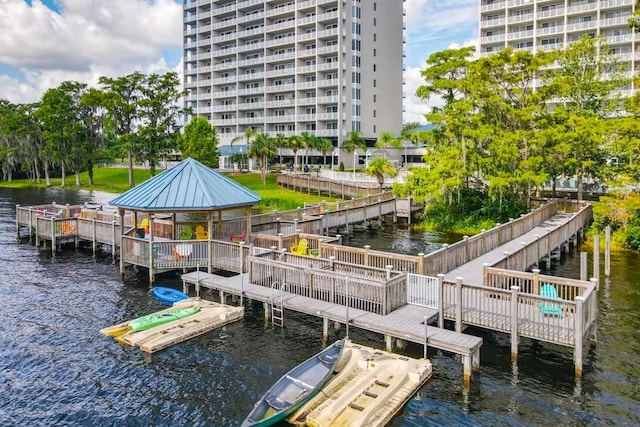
(115, 180)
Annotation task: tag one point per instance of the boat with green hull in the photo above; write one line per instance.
(295, 388)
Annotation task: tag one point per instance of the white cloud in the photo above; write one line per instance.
(416, 108)
(88, 39)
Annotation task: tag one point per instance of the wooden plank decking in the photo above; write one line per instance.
(471, 272)
(406, 322)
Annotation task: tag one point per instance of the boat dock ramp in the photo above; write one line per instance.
(211, 316)
(369, 387)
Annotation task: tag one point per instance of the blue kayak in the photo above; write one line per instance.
(168, 296)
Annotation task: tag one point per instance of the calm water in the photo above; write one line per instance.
(56, 369)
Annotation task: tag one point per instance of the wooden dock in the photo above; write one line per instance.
(211, 316)
(370, 386)
(406, 323)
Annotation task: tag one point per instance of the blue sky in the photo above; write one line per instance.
(44, 42)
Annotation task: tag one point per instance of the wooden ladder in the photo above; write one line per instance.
(277, 306)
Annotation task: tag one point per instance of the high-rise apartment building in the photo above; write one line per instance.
(327, 67)
(537, 25)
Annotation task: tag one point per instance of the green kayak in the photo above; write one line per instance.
(152, 320)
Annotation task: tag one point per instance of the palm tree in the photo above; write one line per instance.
(351, 144)
(281, 142)
(249, 134)
(324, 146)
(295, 143)
(309, 142)
(381, 167)
(387, 140)
(262, 148)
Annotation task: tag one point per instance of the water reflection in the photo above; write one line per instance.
(56, 368)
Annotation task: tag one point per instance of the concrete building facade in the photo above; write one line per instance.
(543, 25)
(326, 67)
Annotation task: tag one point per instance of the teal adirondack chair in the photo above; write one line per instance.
(547, 308)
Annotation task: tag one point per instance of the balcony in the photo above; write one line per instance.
(613, 4)
(516, 35)
(491, 7)
(498, 38)
(550, 13)
(490, 23)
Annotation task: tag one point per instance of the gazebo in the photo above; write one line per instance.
(157, 238)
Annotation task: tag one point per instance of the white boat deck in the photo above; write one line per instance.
(369, 387)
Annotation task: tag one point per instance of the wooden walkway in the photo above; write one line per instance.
(406, 323)
(472, 271)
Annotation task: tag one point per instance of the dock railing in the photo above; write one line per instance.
(373, 291)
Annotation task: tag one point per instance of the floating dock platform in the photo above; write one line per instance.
(370, 387)
(211, 316)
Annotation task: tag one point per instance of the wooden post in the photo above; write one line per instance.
(607, 251)
(53, 236)
(94, 238)
(152, 218)
(366, 254)
(347, 219)
(579, 336)
(506, 254)
(458, 304)
(536, 281)
(596, 256)
(583, 265)
(114, 239)
(18, 220)
(325, 329)
(445, 259)
(537, 238)
(466, 248)
(209, 243)
(388, 340)
(514, 322)
(420, 263)
(440, 300)
(524, 256)
(122, 251)
(426, 336)
(379, 212)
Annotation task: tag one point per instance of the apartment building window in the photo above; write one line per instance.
(375, 97)
(279, 128)
(226, 116)
(310, 126)
(310, 110)
(310, 46)
(355, 61)
(356, 110)
(310, 79)
(310, 62)
(374, 114)
(375, 21)
(356, 126)
(355, 93)
(375, 37)
(279, 112)
(374, 83)
(356, 77)
(310, 30)
(521, 12)
(374, 68)
(524, 45)
(309, 14)
(332, 125)
(331, 92)
(309, 95)
(356, 45)
(331, 26)
(554, 40)
(250, 114)
(332, 109)
(331, 43)
(355, 28)
(375, 52)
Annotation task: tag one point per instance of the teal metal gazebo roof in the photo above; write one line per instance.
(188, 186)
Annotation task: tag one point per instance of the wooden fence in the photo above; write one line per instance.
(370, 290)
